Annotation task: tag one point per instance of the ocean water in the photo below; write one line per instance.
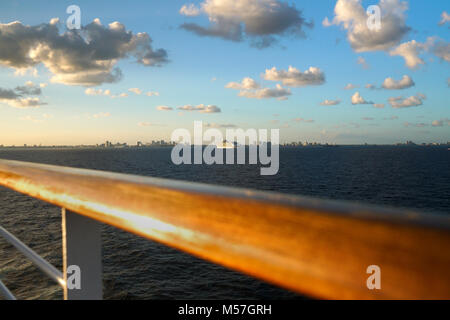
(135, 268)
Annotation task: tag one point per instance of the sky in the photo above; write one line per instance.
(138, 70)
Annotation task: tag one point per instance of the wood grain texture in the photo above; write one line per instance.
(314, 247)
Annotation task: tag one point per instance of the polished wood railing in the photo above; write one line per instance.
(316, 247)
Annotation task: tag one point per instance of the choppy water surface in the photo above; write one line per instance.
(134, 268)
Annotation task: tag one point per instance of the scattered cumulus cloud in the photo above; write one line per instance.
(27, 71)
(442, 50)
(445, 17)
(201, 108)
(330, 102)
(278, 92)
(190, 10)
(85, 57)
(19, 97)
(262, 22)
(164, 108)
(351, 86)
(249, 88)
(441, 122)
(358, 99)
(295, 78)
(118, 96)
(404, 83)
(152, 94)
(413, 101)
(246, 84)
(351, 16)
(97, 92)
(135, 90)
(410, 51)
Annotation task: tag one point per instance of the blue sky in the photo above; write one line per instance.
(199, 68)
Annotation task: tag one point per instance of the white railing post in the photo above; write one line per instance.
(4, 291)
(82, 259)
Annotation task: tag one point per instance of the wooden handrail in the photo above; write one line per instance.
(316, 247)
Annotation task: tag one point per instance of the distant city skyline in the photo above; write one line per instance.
(136, 72)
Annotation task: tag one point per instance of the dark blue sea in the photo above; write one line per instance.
(134, 268)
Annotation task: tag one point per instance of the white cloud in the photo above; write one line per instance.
(262, 21)
(326, 22)
(86, 58)
(392, 84)
(411, 50)
(19, 97)
(413, 101)
(441, 122)
(361, 61)
(249, 88)
(351, 15)
(442, 50)
(23, 103)
(152, 94)
(190, 10)
(164, 108)
(21, 72)
(246, 84)
(350, 86)
(97, 92)
(378, 105)
(135, 90)
(330, 102)
(358, 99)
(201, 108)
(445, 17)
(295, 78)
(122, 95)
(266, 93)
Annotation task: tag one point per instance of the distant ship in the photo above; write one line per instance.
(225, 145)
